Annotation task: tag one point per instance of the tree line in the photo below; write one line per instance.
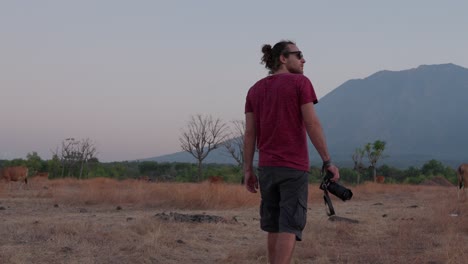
(202, 134)
(188, 172)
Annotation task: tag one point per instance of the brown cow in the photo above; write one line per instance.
(16, 173)
(462, 175)
(380, 179)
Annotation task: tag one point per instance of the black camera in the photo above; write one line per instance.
(338, 190)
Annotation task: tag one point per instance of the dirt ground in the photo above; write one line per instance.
(381, 224)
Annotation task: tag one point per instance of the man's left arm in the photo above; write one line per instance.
(316, 135)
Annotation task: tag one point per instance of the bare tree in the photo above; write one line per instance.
(358, 165)
(235, 143)
(74, 155)
(202, 135)
(68, 155)
(87, 150)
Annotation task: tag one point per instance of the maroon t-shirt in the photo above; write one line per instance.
(276, 104)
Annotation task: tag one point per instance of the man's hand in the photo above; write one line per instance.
(336, 172)
(251, 182)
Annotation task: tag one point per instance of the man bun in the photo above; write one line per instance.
(267, 58)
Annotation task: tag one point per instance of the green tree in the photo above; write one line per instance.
(54, 167)
(450, 174)
(148, 167)
(185, 172)
(34, 163)
(374, 152)
(348, 175)
(411, 172)
(315, 174)
(437, 168)
(16, 162)
(433, 168)
(391, 174)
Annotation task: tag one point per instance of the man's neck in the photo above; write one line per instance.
(281, 70)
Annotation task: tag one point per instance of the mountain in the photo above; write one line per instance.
(420, 113)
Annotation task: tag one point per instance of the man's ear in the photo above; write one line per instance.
(282, 59)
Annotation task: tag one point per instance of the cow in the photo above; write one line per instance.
(380, 179)
(462, 176)
(16, 173)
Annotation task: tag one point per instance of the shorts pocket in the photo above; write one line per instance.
(300, 216)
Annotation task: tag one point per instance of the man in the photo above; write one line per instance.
(279, 113)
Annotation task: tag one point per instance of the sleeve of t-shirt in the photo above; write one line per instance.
(248, 104)
(306, 91)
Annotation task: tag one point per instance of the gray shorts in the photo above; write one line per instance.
(284, 200)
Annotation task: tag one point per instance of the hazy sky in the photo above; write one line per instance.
(129, 74)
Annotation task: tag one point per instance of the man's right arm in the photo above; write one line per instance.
(249, 150)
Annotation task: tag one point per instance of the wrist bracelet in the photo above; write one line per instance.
(327, 163)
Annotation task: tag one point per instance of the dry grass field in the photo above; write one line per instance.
(108, 221)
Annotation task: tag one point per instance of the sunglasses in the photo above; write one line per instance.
(297, 53)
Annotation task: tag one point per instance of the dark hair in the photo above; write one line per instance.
(271, 55)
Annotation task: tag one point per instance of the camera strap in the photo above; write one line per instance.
(326, 197)
(328, 202)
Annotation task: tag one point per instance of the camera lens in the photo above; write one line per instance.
(347, 194)
(339, 191)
